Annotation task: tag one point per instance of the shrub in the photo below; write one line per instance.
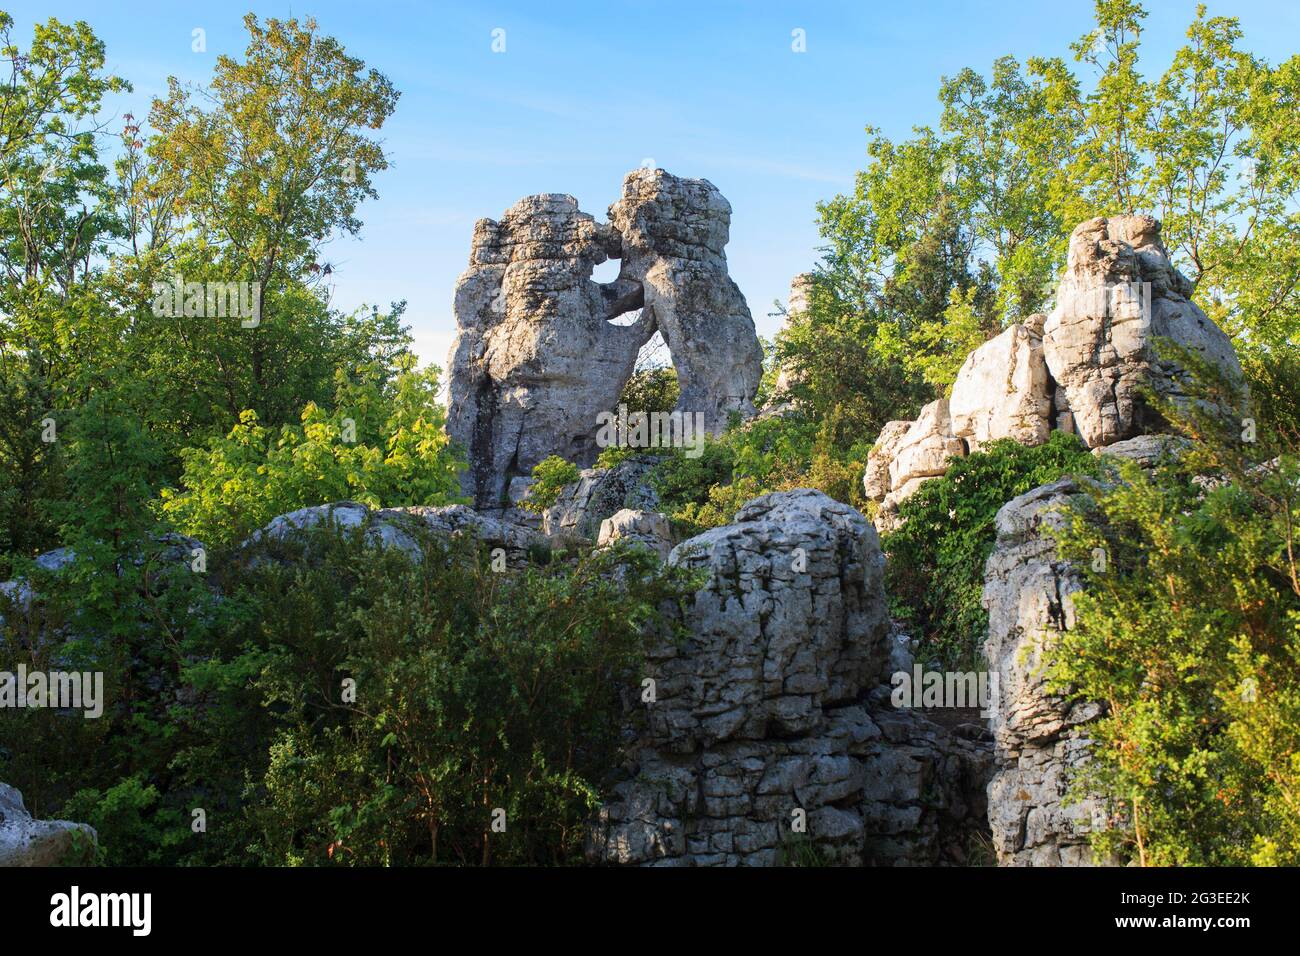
(550, 475)
(382, 445)
(1189, 632)
(935, 569)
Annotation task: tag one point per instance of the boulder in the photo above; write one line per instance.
(597, 494)
(1002, 391)
(28, 842)
(875, 480)
(921, 453)
(648, 528)
(1120, 294)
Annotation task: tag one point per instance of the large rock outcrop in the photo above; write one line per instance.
(1119, 295)
(535, 357)
(28, 842)
(1082, 368)
(674, 232)
(1039, 738)
(769, 734)
(538, 354)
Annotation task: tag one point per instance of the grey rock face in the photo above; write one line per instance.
(28, 842)
(537, 356)
(1038, 737)
(765, 712)
(1147, 450)
(1119, 294)
(649, 528)
(903, 460)
(598, 494)
(674, 232)
(1002, 391)
(399, 527)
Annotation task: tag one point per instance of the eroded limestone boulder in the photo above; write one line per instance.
(773, 709)
(1002, 391)
(919, 454)
(1039, 737)
(598, 494)
(28, 842)
(1118, 296)
(542, 349)
(648, 528)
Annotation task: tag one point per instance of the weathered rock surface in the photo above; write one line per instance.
(649, 528)
(1147, 450)
(1119, 294)
(674, 232)
(767, 712)
(537, 356)
(400, 527)
(598, 494)
(1080, 369)
(1002, 391)
(919, 454)
(1039, 738)
(876, 478)
(28, 842)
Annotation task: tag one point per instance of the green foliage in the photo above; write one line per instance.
(1187, 632)
(653, 389)
(550, 475)
(381, 446)
(935, 569)
(475, 690)
(950, 234)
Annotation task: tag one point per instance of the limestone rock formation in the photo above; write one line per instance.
(535, 357)
(1038, 737)
(921, 453)
(400, 527)
(876, 478)
(674, 232)
(767, 712)
(599, 493)
(1079, 369)
(1002, 391)
(649, 528)
(1119, 294)
(28, 842)
(537, 354)
(801, 289)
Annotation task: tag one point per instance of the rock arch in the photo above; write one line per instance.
(537, 357)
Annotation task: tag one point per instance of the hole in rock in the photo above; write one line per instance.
(607, 271)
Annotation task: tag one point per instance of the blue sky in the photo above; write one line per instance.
(585, 92)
